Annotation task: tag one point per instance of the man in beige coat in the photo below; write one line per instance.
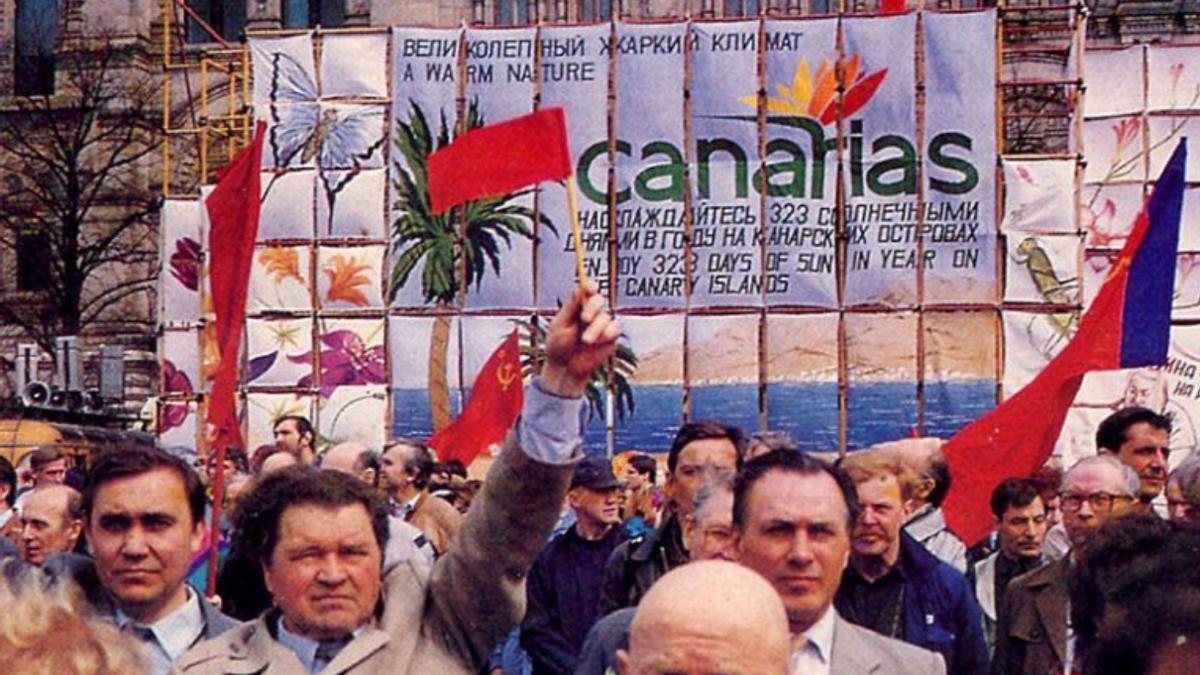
(321, 556)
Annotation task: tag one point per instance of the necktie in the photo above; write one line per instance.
(327, 650)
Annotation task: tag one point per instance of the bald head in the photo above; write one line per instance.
(277, 461)
(708, 617)
(352, 458)
(924, 457)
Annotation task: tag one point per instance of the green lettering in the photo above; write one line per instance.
(671, 171)
(905, 163)
(970, 177)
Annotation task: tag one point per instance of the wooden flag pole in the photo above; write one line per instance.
(576, 234)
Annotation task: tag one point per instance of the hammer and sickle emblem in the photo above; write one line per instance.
(506, 375)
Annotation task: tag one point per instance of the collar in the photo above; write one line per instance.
(896, 570)
(303, 647)
(926, 522)
(175, 632)
(820, 634)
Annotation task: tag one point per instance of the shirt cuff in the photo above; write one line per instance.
(550, 430)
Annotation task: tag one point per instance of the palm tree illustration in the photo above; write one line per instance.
(421, 239)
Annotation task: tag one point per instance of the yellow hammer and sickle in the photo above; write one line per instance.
(506, 374)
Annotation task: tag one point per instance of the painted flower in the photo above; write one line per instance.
(1175, 72)
(175, 381)
(1126, 132)
(281, 263)
(815, 96)
(185, 263)
(1101, 225)
(345, 359)
(345, 274)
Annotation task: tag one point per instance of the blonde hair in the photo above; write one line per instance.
(44, 631)
(864, 465)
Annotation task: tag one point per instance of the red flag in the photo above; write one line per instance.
(893, 6)
(233, 209)
(1127, 326)
(500, 158)
(496, 400)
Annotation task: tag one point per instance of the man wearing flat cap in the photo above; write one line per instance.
(563, 588)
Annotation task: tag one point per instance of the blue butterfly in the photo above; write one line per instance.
(345, 137)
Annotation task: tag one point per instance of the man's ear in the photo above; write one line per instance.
(74, 529)
(623, 662)
(267, 579)
(196, 540)
(369, 476)
(924, 487)
(686, 525)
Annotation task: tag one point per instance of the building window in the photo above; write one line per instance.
(226, 17)
(595, 10)
(312, 13)
(513, 12)
(32, 274)
(741, 7)
(36, 35)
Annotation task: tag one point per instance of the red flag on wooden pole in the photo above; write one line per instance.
(233, 210)
(496, 399)
(500, 158)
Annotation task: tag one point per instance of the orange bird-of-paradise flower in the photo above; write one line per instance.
(345, 275)
(815, 95)
(281, 263)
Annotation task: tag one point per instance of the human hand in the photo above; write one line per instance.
(581, 337)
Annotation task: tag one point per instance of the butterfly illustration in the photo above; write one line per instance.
(347, 137)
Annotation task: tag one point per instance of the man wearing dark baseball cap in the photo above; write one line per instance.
(563, 587)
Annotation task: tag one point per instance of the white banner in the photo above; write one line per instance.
(651, 258)
(960, 137)
(801, 172)
(574, 76)
(726, 209)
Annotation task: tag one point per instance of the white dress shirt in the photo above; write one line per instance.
(166, 639)
(813, 657)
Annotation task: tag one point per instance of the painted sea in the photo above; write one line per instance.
(877, 412)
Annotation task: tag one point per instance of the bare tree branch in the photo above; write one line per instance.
(72, 169)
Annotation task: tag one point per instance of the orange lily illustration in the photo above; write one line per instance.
(281, 263)
(345, 275)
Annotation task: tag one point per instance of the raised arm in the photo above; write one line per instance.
(477, 591)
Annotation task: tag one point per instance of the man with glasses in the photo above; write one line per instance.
(1034, 635)
(709, 534)
(700, 452)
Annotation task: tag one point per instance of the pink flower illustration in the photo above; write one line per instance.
(345, 360)
(1101, 225)
(175, 381)
(1127, 131)
(185, 263)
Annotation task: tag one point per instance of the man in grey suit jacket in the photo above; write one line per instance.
(793, 516)
(323, 533)
(144, 511)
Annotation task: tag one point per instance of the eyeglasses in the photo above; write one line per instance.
(1099, 501)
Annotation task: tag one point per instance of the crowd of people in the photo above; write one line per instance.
(750, 556)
